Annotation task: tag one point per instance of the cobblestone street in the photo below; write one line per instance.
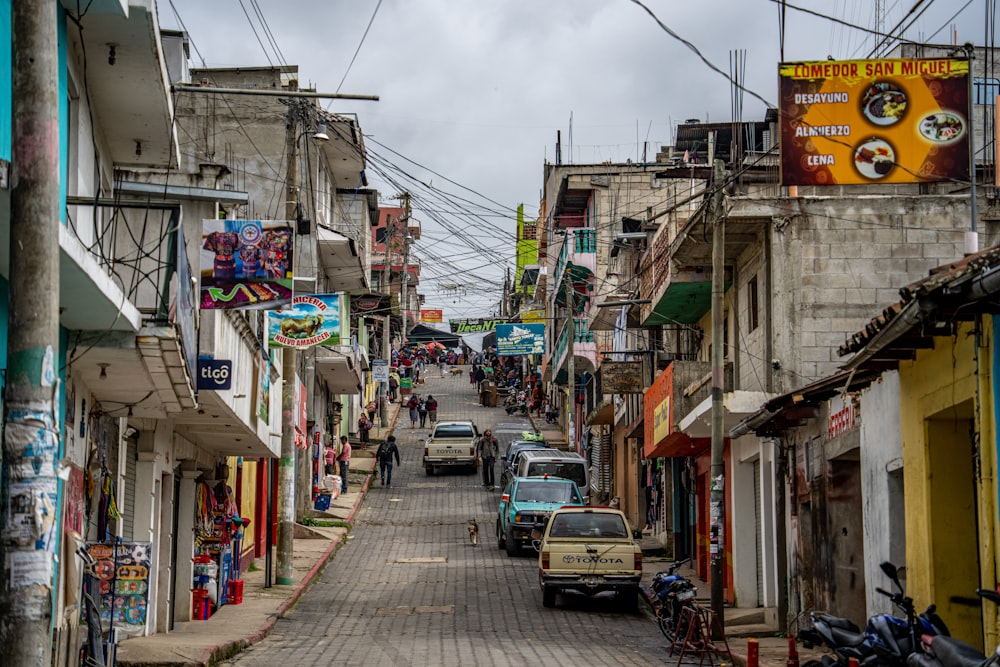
(408, 588)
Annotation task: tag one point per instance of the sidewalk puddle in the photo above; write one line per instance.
(420, 559)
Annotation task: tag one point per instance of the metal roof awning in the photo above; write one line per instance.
(603, 413)
(676, 445)
(341, 263)
(337, 371)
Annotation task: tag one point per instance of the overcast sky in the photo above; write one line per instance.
(475, 90)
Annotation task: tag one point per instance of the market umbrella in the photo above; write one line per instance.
(435, 345)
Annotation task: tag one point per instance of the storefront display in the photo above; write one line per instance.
(218, 533)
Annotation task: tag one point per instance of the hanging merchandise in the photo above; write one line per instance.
(218, 536)
(107, 507)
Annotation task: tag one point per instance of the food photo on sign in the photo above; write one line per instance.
(869, 121)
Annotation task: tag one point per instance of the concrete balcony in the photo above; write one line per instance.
(578, 254)
(584, 348)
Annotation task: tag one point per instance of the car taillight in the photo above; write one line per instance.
(637, 565)
(545, 560)
(426, 451)
(505, 498)
(472, 451)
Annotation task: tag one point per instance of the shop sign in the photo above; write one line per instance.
(215, 374)
(246, 264)
(312, 319)
(621, 377)
(431, 315)
(842, 421)
(380, 370)
(476, 325)
(874, 121)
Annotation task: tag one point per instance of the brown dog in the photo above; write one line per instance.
(473, 528)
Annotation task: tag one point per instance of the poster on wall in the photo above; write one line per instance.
(246, 264)
(874, 121)
(123, 572)
(312, 319)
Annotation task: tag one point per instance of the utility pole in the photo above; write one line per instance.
(571, 360)
(390, 229)
(717, 481)
(404, 297)
(31, 444)
(286, 464)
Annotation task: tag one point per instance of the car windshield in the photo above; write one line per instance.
(571, 470)
(588, 524)
(546, 492)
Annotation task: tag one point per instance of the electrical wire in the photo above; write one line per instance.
(356, 51)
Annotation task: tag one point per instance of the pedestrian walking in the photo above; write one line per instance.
(432, 408)
(393, 386)
(487, 450)
(384, 455)
(345, 462)
(364, 425)
(414, 412)
(422, 411)
(371, 409)
(442, 364)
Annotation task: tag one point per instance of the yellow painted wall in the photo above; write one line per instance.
(938, 403)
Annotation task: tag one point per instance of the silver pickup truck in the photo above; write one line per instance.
(451, 444)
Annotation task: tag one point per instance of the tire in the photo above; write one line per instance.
(429, 470)
(513, 544)
(501, 537)
(629, 600)
(548, 597)
(665, 622)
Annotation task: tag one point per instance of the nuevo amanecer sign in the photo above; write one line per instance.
(874, 121)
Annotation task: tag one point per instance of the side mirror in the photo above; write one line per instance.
(892, 572)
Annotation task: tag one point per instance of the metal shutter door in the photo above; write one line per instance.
(758, 547)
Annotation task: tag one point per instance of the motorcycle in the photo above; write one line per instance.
(946, 651)
(887, 639)
(671, 593)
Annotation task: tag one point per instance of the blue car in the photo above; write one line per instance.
(527, 501)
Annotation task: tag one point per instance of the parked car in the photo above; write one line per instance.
(508, 464)
(527, 501)
(590, 550)
(555, 463)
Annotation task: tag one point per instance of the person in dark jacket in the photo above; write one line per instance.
(488, 450)
(386, 451)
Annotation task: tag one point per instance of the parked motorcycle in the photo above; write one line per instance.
(946, 651)
(887, 639)
(516, 401)
(671, 593)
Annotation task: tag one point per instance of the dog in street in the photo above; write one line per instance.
(473, 528)
(455, 371)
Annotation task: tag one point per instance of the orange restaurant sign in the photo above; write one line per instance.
(874, 121)
(431, 315)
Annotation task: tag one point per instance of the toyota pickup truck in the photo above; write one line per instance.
(451, 444)
(590, 550)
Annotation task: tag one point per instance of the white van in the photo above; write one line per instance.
(556, 463)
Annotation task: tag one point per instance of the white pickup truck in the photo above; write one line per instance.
(451, 444)
(591, 550)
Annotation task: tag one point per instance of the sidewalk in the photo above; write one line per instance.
(234, 627)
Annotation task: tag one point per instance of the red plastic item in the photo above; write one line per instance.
(793, 654)
(753, 653)
(235, 591)
(200, 604)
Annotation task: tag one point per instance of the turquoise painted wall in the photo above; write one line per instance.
(5, 76)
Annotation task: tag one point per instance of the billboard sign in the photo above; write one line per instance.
(475, 325)
(312, 319)
(518, 339)
(853, 122)
(246, 264)
(431, 315)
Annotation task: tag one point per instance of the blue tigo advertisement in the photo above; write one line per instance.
(518, 339)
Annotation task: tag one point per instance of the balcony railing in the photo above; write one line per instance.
(580, 247)
(581, 334)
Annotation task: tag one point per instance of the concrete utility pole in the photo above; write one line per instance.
(717, 481)
(404, 297)
(31, 444)
(390, 228)
(286, 464)
(571, 361)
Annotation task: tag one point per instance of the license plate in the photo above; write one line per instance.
(685, 595)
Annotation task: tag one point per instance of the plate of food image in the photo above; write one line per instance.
(943, 127)
(874, 159)
(883, 103)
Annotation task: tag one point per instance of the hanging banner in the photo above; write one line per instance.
(431, 315)
(475, 325)
(518, 339)
(874, 121)
(263, 390)
(246, 264)
(312, 319)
